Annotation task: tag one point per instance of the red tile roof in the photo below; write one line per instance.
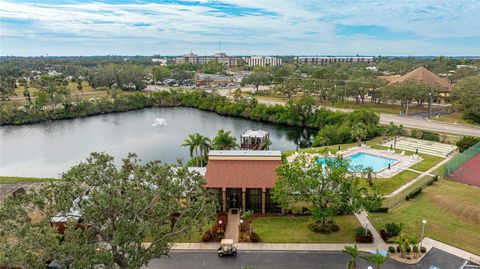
(241, 173)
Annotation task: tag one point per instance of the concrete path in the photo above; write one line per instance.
(232, 232)
(451, 249)
(422, 175)
(377, 239)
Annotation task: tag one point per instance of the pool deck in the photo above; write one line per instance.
(402, 161)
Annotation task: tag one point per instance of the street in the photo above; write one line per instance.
(292, 260)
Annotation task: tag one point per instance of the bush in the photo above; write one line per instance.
(330, 227)
(408, 249)
(393, 229)
(206, 237)
(415, 249)
(466, 142)
(435, 178)
(363, 236)
(430, 136)
(254, 237)
(391, 249)
(399, 249)
(423, 249)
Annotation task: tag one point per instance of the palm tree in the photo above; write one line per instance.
(377, 259)
(224, 141)
(369, 171)
(353, 252)
(192, 142)
(204, 145)
(359, 132)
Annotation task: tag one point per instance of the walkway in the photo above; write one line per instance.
(377, 239)
(451, 249)
(422, 175)
(232, 232)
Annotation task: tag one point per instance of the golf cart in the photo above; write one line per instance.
(227, 248)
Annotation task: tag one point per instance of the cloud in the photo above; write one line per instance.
(244, 27)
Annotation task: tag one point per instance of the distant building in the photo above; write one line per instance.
(243, 179)
(263, 61)
(326, 60)
(424, 76)
(214, 80)
(220, 57)
(161, 61)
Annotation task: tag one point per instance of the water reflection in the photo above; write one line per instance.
(49, 148)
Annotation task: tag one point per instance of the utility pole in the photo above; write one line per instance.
(430, 105)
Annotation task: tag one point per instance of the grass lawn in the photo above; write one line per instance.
(452, 212)
(388, 185)
(455, 117)
(428, 162)
(293, 229)
(12, 180)
(334, 148)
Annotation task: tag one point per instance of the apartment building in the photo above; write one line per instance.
(326, 60)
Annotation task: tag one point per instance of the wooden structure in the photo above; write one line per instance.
(255, 140)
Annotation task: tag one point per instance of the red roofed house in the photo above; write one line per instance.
(243, 178)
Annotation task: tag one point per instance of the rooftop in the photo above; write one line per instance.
(254, 133)
(246, 153)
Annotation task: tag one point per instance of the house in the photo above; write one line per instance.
(424, 76)
(243, 179)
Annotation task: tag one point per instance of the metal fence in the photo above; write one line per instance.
(457, 161)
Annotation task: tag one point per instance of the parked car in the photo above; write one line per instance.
(227, 247)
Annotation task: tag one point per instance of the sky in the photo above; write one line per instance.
(243, 27)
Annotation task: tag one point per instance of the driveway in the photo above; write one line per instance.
(292, 260)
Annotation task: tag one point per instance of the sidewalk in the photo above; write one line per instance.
(274, 247)
(377, 239)
(429, 242)
(232, 232)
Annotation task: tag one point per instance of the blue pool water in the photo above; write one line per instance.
(377, 163)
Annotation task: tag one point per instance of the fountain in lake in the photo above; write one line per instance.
(159, 122)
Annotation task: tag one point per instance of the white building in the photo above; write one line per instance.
(263, 61)
(325, 60)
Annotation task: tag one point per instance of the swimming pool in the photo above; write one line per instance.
(377, 163)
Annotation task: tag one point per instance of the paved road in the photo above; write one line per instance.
(407, 121)
(292, 260)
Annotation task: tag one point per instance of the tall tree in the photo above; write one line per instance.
(107, 213)
(359, 132)
(466, 96)
(330, 188)
(224, 140)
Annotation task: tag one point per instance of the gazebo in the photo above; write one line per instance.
(254, 140)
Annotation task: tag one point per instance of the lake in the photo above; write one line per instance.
(50, 148)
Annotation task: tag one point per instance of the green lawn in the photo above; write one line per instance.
(388, 185)
(380, 108)
(11, 180)
(452, 212)
(455, 117)
(334, 148)
(293, 229)
(428, 162)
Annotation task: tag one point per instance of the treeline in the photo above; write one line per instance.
(299, 112)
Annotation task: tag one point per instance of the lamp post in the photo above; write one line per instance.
(423, 231)
(220, 223)
(366, 227)
(369, 267)
(239, 227)
(430, 105)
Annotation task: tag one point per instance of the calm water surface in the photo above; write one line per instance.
(50, 148)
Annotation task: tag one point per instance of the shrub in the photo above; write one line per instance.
(363, 236)
(408, 249)
(466, 142)
(399, 249)
(430, 136)
(206, 237)
(435, 178)
(415, 249)
(391, 249)
(393, 229)
(330, 227)
(423, 249)
(254, 237)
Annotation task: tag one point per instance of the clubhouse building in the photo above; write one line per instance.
(243, 179)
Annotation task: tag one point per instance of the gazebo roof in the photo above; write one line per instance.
(425, 76)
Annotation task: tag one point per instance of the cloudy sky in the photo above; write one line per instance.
(340, 27)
